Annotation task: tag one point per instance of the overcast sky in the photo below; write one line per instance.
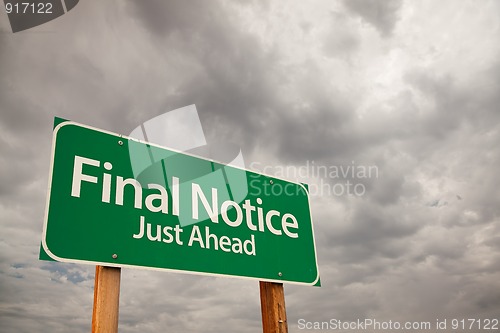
(410, 87)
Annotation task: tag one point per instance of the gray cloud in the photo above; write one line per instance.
(342, 40)
(383, 15)
(227, 70)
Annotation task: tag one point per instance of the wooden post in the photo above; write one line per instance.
(272, 303)
(106, 299)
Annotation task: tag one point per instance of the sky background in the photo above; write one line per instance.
(411, 87)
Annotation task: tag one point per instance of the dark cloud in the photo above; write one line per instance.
(227, 75)
(342, 40)
(164, 18)
(383, 15)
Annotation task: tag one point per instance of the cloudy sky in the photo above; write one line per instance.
(408, 87)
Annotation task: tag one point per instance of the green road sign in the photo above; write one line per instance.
(117, 201)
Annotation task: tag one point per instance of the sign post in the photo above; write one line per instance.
(106, 299)
(272, 304)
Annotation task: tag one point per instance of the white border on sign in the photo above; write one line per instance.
(87, 262)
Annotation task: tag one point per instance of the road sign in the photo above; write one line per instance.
(117, 201)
